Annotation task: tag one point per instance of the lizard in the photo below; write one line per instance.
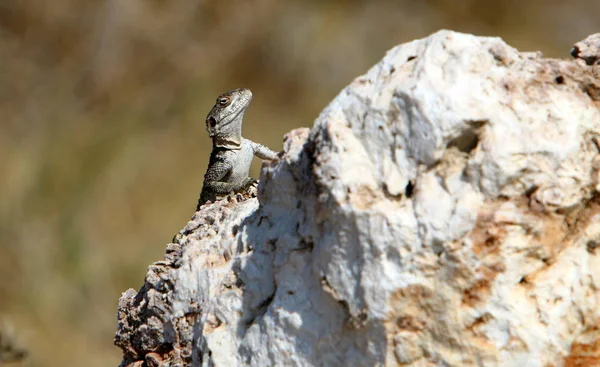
(231, 156)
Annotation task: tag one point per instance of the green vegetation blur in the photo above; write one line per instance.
(102, 138)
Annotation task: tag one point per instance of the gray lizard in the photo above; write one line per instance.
(229, 165)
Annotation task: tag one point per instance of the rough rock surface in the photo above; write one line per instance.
(444, 210)
(588, 50)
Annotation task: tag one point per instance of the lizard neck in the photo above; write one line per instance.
(230, 133)
(228, 142)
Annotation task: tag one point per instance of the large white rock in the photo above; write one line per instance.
(443, 211)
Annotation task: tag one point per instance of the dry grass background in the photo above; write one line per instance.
(102, 140)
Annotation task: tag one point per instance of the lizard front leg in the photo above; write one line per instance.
(263, 152)
(223, 188)
(217, 171)
(213, 185)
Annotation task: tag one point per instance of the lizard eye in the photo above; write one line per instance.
(211, 121)
(223, 101)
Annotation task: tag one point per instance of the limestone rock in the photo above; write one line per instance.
(444, 210)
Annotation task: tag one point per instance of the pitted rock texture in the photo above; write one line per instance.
(444, 210)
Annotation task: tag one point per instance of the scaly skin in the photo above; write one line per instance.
(229, 165)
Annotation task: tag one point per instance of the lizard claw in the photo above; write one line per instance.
(250, 182)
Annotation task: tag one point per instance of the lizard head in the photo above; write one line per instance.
(224, 121)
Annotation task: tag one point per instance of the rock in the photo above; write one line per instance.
(11, 349)
(443, 211)
(588, 50)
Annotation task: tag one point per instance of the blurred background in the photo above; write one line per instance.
(102, 138)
